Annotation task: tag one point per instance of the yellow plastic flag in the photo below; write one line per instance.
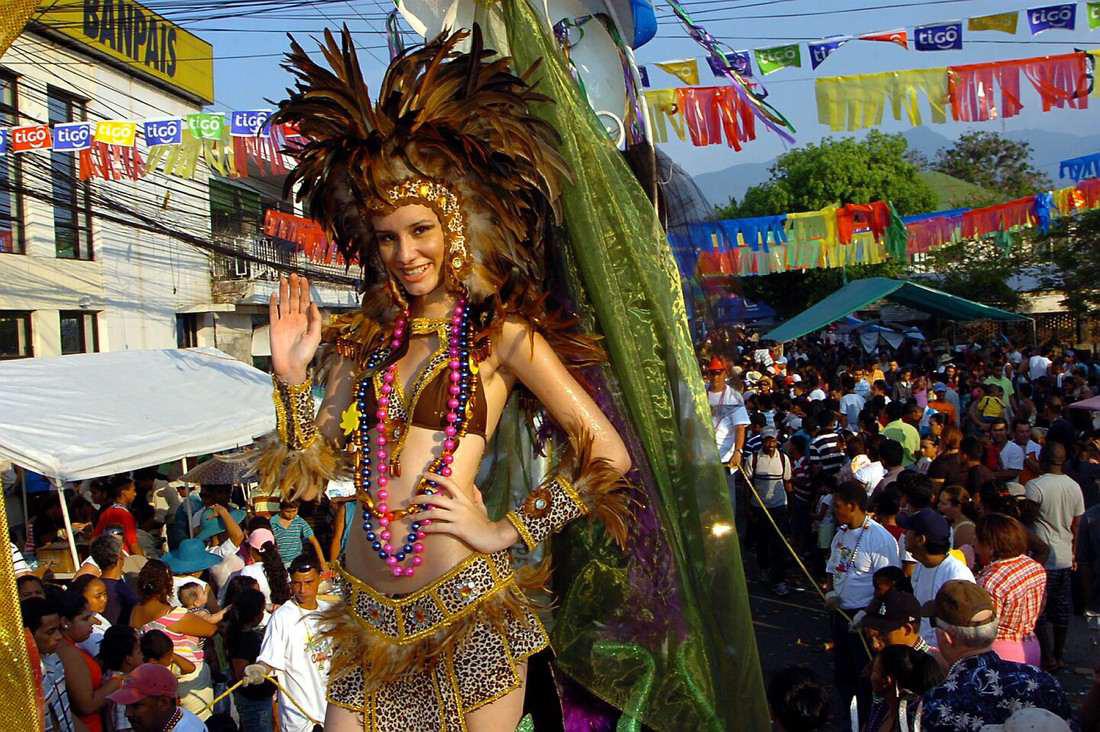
(686, 70)
(1003, 22)
(116, 132)
(661, 107)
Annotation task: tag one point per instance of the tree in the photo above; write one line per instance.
(841, 171)
(1073, 248)
(993, 162)
(834, 171)
(979, 269)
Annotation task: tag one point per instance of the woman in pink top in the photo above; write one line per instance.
(1015, 581)
(186, 630)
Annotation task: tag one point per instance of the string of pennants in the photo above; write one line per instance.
(942, 36)
(837, 236)
(232, 146)
(1077, 169)
(709, 115)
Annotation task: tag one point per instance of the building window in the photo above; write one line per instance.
(79, 332)
(11, 198)
(187, 330)
(15, 334)
(72, 216)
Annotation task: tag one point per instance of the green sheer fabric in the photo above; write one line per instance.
(702, 670)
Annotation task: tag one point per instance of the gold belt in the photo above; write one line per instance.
(433, 607)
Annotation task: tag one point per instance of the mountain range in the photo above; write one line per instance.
(1048, 149)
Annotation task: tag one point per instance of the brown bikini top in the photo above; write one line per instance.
(429, 392)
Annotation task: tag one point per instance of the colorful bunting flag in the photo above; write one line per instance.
(3, 141)
(898, 36)
(1061, 17)
(769, 60)
(163, 131)
(72, 136)
(737, 60)
(820, 50)
(1092, 10)
(686, 70)
(939, 36)
(1001, 22)
(249, 122)
(206, 125)
(116, 132)
(643, 74)
(31, 137)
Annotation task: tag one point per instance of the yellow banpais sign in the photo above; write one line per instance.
(136, 36)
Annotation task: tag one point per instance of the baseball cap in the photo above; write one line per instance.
(892, 611)
(927, 522)
(148, 679)
(769, 432)
(939, 386)
(957, 602)
(259, 537)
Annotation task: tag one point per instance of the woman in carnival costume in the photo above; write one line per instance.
(442, 192)
(446, 192)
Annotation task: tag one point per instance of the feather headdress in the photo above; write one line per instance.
(445, 122)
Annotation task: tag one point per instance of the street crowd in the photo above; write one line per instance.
(946, 502)
(182, 596)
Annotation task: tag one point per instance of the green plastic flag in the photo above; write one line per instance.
(1092, 10)
(779, 57)
(206, 125)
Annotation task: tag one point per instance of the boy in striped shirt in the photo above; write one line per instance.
(291, 532)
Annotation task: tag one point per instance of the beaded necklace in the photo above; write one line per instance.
(175, 719)
(375, 506)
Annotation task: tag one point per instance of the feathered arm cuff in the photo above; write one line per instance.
(596, 490)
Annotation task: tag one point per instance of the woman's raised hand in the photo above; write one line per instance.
(295, 329)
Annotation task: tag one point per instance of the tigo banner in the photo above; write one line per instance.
(163, 131)
(773, 59)
(686, 70)
(820, 50)
(1003, 22)
(738, 61)
(3, 141)
(898, 36)
(249, 122)
(72, 136)
(31, 137)
(206, 125)
(116, 132)
(938, 37)
(1092, 10)
(1052, 16)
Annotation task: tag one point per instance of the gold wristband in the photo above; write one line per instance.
(546, 510)
(294, 413)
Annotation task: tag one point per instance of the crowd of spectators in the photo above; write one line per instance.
(947, 502)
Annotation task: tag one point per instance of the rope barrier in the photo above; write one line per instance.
(278, 686)
(798, 559)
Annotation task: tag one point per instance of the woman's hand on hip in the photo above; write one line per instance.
(456, 513)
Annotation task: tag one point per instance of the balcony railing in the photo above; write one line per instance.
(266, 258)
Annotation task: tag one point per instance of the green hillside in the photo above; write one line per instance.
(952, 192)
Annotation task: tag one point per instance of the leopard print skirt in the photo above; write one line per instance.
(425, 660)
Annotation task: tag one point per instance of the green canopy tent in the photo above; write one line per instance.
(861, 293)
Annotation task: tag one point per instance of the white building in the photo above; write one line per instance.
(76, 273)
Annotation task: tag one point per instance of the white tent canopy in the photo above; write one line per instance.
(89, 415)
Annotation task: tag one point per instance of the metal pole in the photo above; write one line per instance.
(187, 502)
(68, 523)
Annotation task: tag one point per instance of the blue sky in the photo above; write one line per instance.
(245, 82)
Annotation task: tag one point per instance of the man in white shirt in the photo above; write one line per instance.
(850, 405)
(1018, 450)
(729, 417)
(297, 652)
(928, 539)
(771, 477)
(1038, 366)
(860, 548)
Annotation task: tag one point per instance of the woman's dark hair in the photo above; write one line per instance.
(238, 583)
(913, 671)
(995, 498)
(154, 580)
(1005, 536)
(118, 643)
(246, 612)
(959, 496)
(155, 644)
(277, 578)
(895, 576)
(106, 551)
(80, 584)
(886, 502)
(117, 485)
(798, 700)
(256, 522)
(72, 604)
(27, 579)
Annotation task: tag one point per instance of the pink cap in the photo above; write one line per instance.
(148, 679)
(259, 537)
